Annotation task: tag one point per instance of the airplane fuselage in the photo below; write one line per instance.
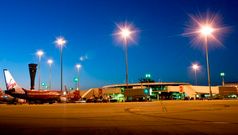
(32, 96)
(40, 96)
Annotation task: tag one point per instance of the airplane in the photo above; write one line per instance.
(7, 99)
(4, 98)
(31, 96)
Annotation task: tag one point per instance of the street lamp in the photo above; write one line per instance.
(60, 41)
(50, 61)
(195, 68)
(206, 30)
(222, 76)
(78, 66)
(39, 53)
(125, 33)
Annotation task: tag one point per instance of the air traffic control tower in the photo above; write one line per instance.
(32, 71)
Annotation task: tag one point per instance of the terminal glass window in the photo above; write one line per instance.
(159, 88)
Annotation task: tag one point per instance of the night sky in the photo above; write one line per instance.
(161, 49)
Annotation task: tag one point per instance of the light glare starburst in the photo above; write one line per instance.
(125, 33)
(205, 28)
(40, 53)
(49, 61)
(78, 66)
(60, 41)
(195, 67)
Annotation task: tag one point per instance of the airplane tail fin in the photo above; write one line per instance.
(11, 83)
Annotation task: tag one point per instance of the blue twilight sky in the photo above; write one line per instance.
(29, 25)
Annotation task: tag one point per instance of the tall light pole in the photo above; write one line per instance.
(60, 41)
(195, 68)
(125, 33)
(39, 53)
(78, 66)
(206, 31)
(50, 61)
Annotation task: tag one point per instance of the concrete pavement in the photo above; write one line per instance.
(160, 117)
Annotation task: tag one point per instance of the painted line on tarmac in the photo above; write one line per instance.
(137, 112)
(220, 122)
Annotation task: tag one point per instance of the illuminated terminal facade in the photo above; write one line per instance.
(166, 91)
(143, 91)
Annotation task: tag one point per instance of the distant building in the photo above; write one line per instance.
(231, 84)
(166, 91)
(159, 91)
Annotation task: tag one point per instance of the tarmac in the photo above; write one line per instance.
(127, 118)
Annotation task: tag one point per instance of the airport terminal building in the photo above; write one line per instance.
(159, 91)
(167, 91)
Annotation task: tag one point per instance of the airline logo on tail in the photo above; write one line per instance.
(11, 83)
